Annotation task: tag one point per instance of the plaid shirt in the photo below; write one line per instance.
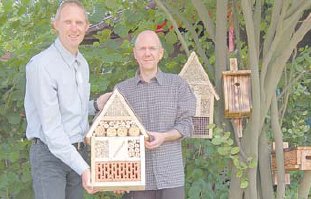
(163, 104)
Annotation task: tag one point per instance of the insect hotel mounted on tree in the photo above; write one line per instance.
(198, 80)
(117, 147)
(298, 158)
(237, 95)
(237, 91)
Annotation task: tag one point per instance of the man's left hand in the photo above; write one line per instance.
(158, 139)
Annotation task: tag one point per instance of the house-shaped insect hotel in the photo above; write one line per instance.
(198, 80)
(117, 147)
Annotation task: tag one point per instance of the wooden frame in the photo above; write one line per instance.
(198, 80)
(237, 93)
(117, 147)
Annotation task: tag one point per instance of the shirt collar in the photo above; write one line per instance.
(158, 78)
(67, 56)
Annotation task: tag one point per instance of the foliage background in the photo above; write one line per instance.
(25, 30)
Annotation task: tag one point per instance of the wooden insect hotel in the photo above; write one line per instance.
(117, 147)
(298, 158)
(237, 91)
(237, 95)
(198, 80)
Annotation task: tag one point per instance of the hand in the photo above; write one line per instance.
(158, 139)
(101, 100)
(119, 192)
(86, 181)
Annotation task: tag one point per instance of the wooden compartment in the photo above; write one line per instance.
(118, 163)
(298, 158)
(237, 93)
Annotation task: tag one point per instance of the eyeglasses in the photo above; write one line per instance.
(151, 49)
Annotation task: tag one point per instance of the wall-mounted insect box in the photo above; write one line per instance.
(237, 91)
(117, 147)
(298, 158)
(198, 80)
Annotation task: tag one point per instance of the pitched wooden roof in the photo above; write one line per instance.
(116, 108)
(194, 73)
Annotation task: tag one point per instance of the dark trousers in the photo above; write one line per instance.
(53, 179)
(172, 193)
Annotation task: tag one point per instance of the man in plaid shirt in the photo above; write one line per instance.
(165, 105)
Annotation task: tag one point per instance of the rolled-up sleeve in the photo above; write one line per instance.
(185, 110)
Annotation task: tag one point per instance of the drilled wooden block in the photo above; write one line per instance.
(201, 127)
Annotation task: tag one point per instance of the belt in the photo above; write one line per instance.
(78, 145)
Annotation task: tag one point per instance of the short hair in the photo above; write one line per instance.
(66, 2)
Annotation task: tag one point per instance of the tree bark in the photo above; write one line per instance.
(277, 133)
(264, 167)
(305, 186)
(254, 123)
(221, 53)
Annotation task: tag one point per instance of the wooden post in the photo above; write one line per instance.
(274, 174)
(236, 122)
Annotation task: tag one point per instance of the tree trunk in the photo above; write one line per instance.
(264, 167)
(277, 133)
(305, 186)
(221, 53)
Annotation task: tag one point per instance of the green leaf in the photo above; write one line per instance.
(243, 165)
(14, 118)
(252, 164)
(227, 135)
(239, 173)
(229, 142)
(236, 162)
(216, 140)
(223, 150)
(121, 29)
(235, 150)
(171, 38)
(244, 183)
(103, 35)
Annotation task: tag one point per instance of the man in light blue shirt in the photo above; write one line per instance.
(57, 107)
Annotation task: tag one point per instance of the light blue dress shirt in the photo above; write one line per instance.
(57, 102)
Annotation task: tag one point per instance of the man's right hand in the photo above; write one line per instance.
(101, 100)
(86, 182)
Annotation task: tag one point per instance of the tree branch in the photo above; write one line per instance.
(172, 20)
(279, 153)
(195, 38)
(205, 18)
(274, 75)
(255, 116)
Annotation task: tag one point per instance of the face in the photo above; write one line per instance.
(148, 51)
(71, 26)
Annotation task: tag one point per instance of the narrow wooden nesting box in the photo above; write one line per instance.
(117, 147)
(198, 80)
(298, 158)
(237, 91)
